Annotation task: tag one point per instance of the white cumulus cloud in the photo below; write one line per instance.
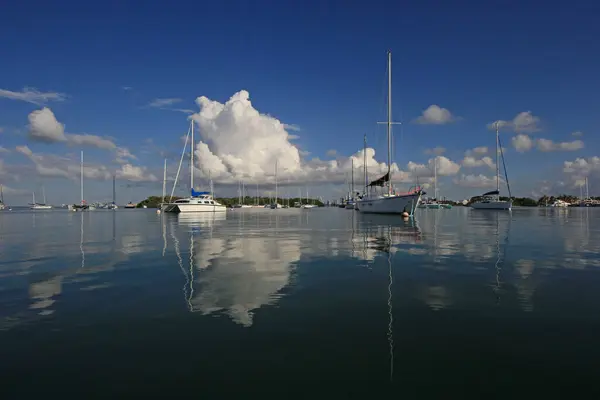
(524, 122)
(577, 133)
(435, 115)
(237, 142)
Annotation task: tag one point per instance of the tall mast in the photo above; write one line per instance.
(275, 183)
(365, 163)
(81, 183)
(44, 194)
(435, 177)
(192, 158)
(164, 181)
(587, 188)
(497, 165)
(353, 177)
(389, 121)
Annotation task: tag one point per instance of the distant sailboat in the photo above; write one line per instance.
(82, 205)
(40, 206)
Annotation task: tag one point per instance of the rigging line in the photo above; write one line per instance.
(504, 165)
(180, 162)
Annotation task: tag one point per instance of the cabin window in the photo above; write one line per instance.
(212, 202)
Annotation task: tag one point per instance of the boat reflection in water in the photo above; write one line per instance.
(383, 236)
(232, 274)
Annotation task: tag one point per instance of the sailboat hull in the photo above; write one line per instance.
(193, 208)
(390, 204)
(492, 205)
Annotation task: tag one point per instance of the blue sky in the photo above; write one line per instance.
(319, 66)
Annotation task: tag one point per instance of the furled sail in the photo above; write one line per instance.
(380, 181)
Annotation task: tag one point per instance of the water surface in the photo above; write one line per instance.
(299, 303)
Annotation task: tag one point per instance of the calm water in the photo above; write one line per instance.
(299, 303)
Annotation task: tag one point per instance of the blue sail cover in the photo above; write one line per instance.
(196, 194)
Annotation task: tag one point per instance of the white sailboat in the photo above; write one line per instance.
(82, 205)
(390, 202)
(275, 204)
(197, 201)
(40, 206)
(491, 200)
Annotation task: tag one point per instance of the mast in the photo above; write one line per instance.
(44, 194)
(435, 177)
(275, 183)
(352, 177)
(587, 189)
(243, 192)
(81, 178)
(365, 163)
(497, 165)
(164, 182)
(389, 122)
(192, 158)
(1, 195)
(33, 195)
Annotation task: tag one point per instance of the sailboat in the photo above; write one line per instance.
(197, 201)
(491, 200)
(276, 204)
(113, 205)
(40, 206)
(350, 203)
(82, 205)
(390, 202)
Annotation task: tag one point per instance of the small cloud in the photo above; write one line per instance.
(332, 153)
(475, 181)
(479, 151)
(291, 127)
(32, 95)
(127, 88)
(522, 143)
(136, 174)
(91, 141)
(438, 151)
(524, 122)
(546, 145)
(293, 137)
(44, 127)
(163, 102)
(435, 115)
(181, 110)
(4, 150)
(472, 162)
(577, 133)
